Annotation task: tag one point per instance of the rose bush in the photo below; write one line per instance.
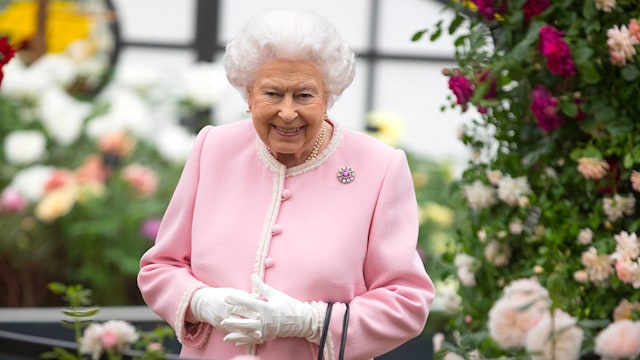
(552, 184)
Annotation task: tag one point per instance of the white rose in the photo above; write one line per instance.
(24, 146)
(30, 182)
(63, 116)
(204, 84)
(479, 195)
(174, 142)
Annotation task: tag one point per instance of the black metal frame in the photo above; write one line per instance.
(207, 43)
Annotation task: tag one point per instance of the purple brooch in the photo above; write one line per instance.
(346, 174)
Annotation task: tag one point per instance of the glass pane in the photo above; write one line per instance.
(416, 91)
(399, 20)
(167, 21)
(350, 17)
(156, 58)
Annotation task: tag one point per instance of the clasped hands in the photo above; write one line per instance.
(247, 319)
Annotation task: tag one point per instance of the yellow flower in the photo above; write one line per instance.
(473, 7)
(56, 203)
(90, 190)
(65, 23)
(386, 126)
(420, 178)
(469, 5)
(438, 214)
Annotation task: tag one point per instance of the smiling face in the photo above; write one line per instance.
(288, 102)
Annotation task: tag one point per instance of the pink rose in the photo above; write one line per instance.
(143, 179)
(11, 200)
(545, 108)
(557, 52)
(462, 88)
(109, 340)
(621, 339)
(534, 8)
(634, 28)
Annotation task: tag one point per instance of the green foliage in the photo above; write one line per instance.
(77, 298)
(80, 312)
(438, 206)
(597, 107)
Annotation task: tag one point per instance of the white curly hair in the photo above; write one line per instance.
(295, 34)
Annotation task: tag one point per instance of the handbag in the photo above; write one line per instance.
(325, 330)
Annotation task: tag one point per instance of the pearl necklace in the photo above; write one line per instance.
(318, 143)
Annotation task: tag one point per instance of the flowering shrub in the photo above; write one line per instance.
(84, 180)
(551, 189)
(111, 339)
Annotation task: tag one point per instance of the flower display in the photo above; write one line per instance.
(620, 340)
(111, 339)
(6, 53)
(550, 190)
(556, 336)
(84, 179)
(110, 336)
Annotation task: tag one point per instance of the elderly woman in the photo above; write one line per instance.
(276, 219)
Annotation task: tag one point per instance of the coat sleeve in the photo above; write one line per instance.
(396, 305)
(165, 279)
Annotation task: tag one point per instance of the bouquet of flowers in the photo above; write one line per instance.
(547, 259)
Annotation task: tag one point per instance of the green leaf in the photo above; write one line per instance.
(521, 50)
(459, 41)
(569, 108)
(591, 152)
(630, 73)
(80, 313)
(418, 35)
(556, 284)
(480, 91)
(620, 127)
(589, 9)
(627, 161)
(605, 114)
(589, 73)
(582, 53)
(455, 24)
(57, 288)
(575, 154)
(58, 353)
(436, 34)
(473, 340)
(593, 324)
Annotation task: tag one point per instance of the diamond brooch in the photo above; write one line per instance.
(346, 174)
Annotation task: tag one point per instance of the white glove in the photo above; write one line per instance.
(279, 316)
(208, 305)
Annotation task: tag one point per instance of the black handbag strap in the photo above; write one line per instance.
(345, 327)
(325, 330)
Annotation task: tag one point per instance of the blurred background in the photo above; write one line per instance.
(102, 103)
(394, 74)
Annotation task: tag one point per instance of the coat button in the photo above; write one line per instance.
(276, 229)
(286, 194)
(268, 262)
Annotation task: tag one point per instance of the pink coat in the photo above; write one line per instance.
(237, 211)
